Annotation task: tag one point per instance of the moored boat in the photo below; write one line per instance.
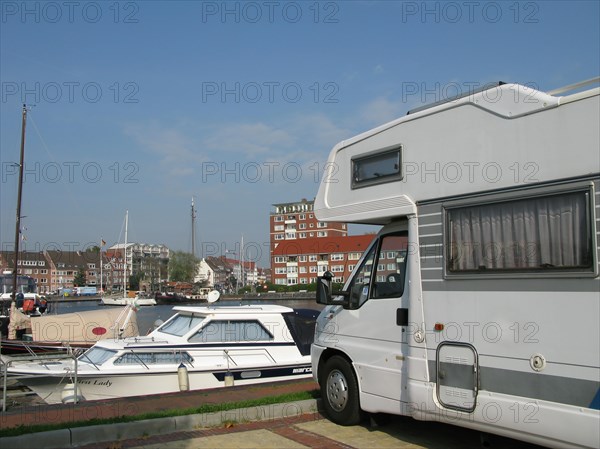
(197, 348)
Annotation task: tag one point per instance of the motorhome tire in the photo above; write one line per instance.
(339, 390)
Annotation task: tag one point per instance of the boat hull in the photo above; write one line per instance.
(98, 387)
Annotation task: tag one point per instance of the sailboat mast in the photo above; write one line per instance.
(19, 198)
(125, 257)
(193, 229)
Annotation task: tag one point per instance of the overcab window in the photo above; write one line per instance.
(545, 233)
(380, 167)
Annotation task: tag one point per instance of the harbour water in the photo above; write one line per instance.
(147, 316)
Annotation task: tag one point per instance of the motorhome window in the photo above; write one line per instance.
(96, 356)
(388, 277)
(231, 331)
(154, 358)
(377, 168)
(181, 324)
(545, 233)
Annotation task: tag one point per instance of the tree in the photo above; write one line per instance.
(79, 279)
(134, 281)
(182, 267)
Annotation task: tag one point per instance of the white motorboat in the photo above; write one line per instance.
(197, 348)
(124, 301)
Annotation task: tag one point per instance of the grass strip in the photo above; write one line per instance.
(206, 408)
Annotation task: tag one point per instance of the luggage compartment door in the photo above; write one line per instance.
(457, 372)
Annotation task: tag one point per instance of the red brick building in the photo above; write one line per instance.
(296, 222)
(300, 261)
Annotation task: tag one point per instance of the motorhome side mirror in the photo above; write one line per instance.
(324, 288)
(324, 293)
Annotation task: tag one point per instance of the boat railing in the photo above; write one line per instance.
(43, 359)
(144, 340)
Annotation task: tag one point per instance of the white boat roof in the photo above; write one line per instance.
(250, 309)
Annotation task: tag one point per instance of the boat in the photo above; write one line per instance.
(76, 330)
(199, 347)
(125, 300)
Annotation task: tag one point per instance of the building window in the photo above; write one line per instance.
(322, 234)
(321, 224)
(337, 268)
(313, 269)
(541, 234)
(302, 216)
(302, 269)
(278, 218)
(302, 258)
(279, 228)
(302, 225)
(312, 258)
(337, 256)
(279, 237)
(280, 259)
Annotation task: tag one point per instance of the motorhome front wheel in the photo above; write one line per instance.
(339, 390)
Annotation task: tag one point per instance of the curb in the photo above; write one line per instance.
(81, 436)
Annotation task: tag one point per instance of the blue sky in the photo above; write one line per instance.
(142, 105)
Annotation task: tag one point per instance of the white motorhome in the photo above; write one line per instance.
(478, 302)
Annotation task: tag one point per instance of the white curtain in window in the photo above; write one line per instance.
(536, 233)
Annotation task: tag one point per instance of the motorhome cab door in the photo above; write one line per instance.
(376, 330)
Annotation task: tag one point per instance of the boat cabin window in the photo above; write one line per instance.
(232, 331)
(544, 234)
(154, 358)
(96, 356)
(181, 324)
(381, 274)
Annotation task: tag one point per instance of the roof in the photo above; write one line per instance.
(248, 309)
(320, 245)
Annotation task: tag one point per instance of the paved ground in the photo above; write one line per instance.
(301, 426)
(314, 431)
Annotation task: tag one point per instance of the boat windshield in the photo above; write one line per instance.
(96, 356)
(181, 324)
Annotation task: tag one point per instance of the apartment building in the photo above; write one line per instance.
(53, 270)
(149, 259)
(296, 221)
(301, 261)
(31, 263)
